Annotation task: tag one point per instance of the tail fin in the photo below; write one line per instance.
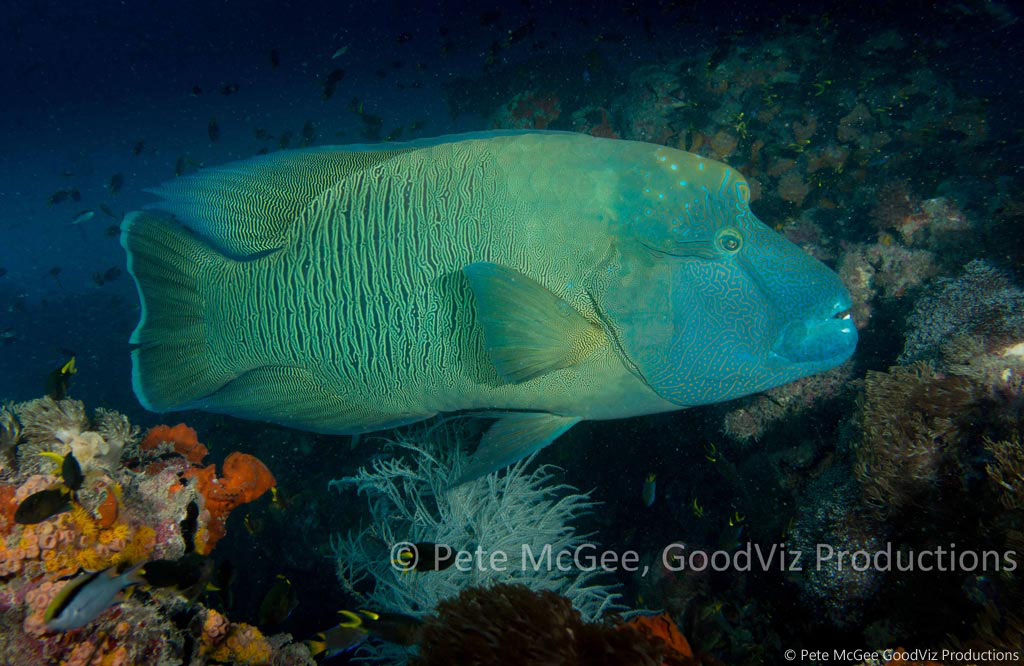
(173, 364)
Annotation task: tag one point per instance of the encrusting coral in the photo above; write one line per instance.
(245, 479)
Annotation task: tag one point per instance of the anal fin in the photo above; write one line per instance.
(512, 438)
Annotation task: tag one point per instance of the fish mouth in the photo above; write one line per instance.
(827, 339)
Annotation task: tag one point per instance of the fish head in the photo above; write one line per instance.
(703, 301)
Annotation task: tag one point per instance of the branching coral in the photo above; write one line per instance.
(908, 433)
(1007, 471)
(511, 624)
(511, 513)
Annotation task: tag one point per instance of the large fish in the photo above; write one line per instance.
(542, 277)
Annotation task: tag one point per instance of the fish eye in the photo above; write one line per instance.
(730, 241)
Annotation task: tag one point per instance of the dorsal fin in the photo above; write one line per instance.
(246, 207)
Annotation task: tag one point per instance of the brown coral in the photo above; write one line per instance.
(1007, 471)
(511, 624)
(909, 434)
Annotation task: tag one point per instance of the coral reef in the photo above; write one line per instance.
(981, 301)
(512, 624)
(1007, 471)
(883, 269)
(130, 509)
(830, 522)
(244, 480)
(757, 413)
(909, 435)
(501, 515)
(529, 109)
(182, 439)
(237, 643)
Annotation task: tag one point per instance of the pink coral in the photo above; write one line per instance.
(32, 485)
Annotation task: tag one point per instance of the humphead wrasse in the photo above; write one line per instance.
(541, 277)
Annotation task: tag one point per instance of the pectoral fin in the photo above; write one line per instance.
(529, 331)
(512, 438)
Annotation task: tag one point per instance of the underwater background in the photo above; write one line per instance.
(885, 141)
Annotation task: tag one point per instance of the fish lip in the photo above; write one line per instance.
(825, 339)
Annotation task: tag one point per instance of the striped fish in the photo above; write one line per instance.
(541, 277)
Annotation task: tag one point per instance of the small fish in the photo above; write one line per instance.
(196, 91)
(711, 452)
(308, 132)
(278, 603)
(229, 89)
(139, 146)
(59, 380)
(284, 140)
(711, 609)
(83, 216)
(426, 556)
(116, 183)
(275, 58)
(278, 500)
(223, 579)
(403, 38)
(107, 210)
(75, 194)
(648, 493)
(357, 627)
(252, 525)
(8, 336)
(42, 506)
(3, 271)
(111, 274)
(331, 82)
(340, 52)
(190, 574)
(60, 196)
(88, 596)
(261, 134)
(112, 231)
(356, 106)
(71, 473)
(213, 130)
